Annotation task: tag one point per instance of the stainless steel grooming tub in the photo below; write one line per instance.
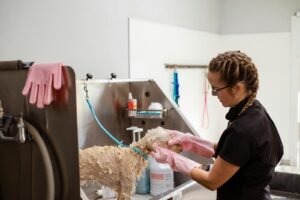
(109, 99)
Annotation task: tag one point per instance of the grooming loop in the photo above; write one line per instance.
(119, 143)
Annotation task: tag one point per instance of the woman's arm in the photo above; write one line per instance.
(221, 172)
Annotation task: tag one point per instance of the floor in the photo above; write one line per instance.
(284, 196)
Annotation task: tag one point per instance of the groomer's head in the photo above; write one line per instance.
(233, 76)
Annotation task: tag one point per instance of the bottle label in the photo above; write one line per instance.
(132, 106)
(157, 176)
(161, 182)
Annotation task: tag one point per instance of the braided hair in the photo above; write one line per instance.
(234, 67)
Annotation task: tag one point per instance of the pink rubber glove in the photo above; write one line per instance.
(192, 143)
(41, 80)
(176, 161)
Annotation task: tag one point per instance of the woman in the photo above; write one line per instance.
(248, 149)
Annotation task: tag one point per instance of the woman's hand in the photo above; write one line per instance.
(176, 161)
(189, 142)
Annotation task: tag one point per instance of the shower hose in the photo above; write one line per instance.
(50, 193)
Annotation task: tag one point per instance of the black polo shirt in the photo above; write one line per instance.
(251, 141)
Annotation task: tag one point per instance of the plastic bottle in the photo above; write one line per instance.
(143, 184)
(161, 177)
(131, 105)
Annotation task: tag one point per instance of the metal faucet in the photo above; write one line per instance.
(1, 114)
(21, 137)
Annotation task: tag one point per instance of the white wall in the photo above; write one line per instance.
(257, 16)
(295, 86)
(152, 45)
(82, 34)
(91, 36)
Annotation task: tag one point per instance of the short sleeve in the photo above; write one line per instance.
(237, 148)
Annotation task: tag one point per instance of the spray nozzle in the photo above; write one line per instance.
(136, 133)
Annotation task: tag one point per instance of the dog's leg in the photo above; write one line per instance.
(130, 166)
(127, 187)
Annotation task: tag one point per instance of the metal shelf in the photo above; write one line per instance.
(147, 114)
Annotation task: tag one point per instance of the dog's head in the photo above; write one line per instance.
(157, 135)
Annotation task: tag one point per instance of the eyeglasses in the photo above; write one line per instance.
(214, 91)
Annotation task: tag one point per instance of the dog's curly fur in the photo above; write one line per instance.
(119, 167)
(114, 167)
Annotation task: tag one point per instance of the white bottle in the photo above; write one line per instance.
(131, 105)
(161, 177)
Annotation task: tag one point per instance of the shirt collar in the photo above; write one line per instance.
(234, 111)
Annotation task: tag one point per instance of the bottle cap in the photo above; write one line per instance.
(129, 95)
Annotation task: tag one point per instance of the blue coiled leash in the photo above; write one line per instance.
(89, 76)
(175, 87)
